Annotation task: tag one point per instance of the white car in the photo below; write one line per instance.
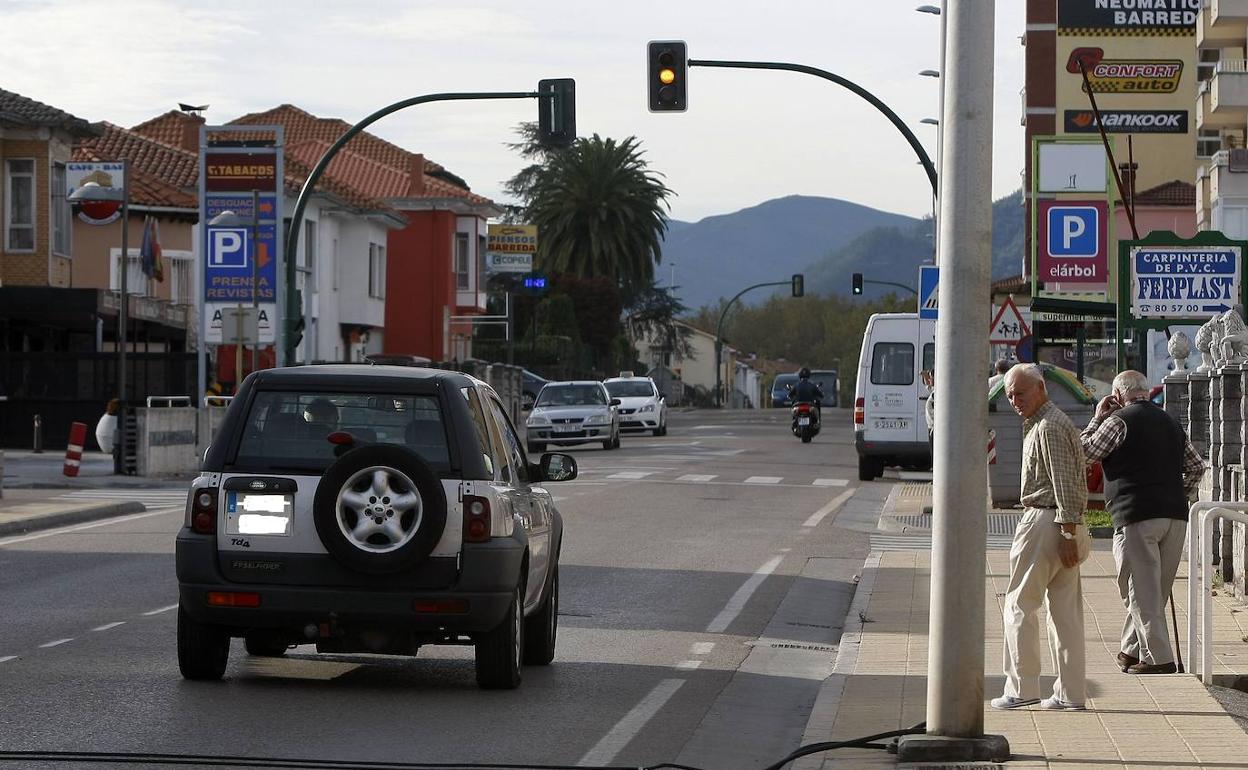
(574, 412)
(642, 406)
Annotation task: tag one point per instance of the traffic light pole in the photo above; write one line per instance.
(719, 337)
(864, 93)
(305, 194)
(910, 289)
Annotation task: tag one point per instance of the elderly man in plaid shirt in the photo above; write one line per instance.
(1151, 470)
(1049, 544)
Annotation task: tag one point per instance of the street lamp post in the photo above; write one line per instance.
(719, 337)
(86, 195)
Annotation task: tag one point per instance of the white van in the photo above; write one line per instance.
(889, 427)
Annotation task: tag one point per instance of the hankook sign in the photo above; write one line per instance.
(1127, 121)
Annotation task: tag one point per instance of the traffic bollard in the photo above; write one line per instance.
(73, 452)
(38, 440)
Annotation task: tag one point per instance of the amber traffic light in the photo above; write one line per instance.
(666, 73)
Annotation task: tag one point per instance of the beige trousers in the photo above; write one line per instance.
(1147, 554)
(1038, 577)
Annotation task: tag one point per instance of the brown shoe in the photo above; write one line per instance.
(1126, 661)
(1152, 668)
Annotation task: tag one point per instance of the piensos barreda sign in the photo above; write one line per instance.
(1184, 281)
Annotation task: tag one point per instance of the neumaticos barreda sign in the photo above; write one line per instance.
(1127, 17)
(239, 172)
(1127, 121)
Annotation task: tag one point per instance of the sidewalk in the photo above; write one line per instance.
(28, 510)
(879, 681)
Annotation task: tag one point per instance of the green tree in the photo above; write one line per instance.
(600, 212)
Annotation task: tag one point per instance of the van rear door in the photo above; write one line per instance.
(892, 410)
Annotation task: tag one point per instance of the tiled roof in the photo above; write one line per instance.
(297, 173)
(166, 128)
(302, 126)
(1015, 284)
(352, 168)
(1175, 193)
(19, 110)
(160, 175)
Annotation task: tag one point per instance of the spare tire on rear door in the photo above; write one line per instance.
(379, 509)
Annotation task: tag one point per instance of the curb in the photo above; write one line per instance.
(77, 516)
(828, 701)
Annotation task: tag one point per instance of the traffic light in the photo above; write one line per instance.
(667, 67)
(857, 283)
(556, 113)
(799, 285)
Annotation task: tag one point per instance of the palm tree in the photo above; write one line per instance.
(600, 213)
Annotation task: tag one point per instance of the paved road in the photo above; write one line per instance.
(705, 576)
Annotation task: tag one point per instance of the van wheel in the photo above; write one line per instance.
(499, 653)
(203, 649)
(869, 468)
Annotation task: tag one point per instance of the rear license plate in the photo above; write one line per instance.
(897, 423)
(803, 421)
(249, 513)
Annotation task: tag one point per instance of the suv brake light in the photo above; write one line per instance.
(476, 519)
(860, 411)
(204, 511)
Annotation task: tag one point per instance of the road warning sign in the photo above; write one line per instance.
(1008, 326)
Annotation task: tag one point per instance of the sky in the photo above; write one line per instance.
(747, 136)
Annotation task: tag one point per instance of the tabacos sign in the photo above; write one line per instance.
(1126, 76)
(1127, 121)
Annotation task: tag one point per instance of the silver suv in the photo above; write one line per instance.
(370, 509)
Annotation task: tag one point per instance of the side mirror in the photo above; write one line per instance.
(662, 397)
(558, 467)
(615, 402)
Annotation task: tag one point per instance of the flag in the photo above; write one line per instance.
(149, 252)
(158, 262)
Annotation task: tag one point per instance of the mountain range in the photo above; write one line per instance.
(827, 239)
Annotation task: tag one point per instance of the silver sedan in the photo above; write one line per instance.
(577, 412)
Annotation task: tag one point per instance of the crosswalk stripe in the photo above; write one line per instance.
(764, 480)
(831, 482)
(702, 477)
(631, 475)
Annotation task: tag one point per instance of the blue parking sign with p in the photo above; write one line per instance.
(227, 247)
(1074, 231)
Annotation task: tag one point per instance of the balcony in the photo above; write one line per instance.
(1222, 23)
(1226, 187)
(1228, 95)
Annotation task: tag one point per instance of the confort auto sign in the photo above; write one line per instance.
(1126, 76)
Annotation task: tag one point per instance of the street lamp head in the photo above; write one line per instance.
(228, 219)
(930, 122)
(928, 9)
(929, 73)
(97, 203)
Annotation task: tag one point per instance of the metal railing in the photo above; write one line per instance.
(1199, 592)
(1233, 66)
(168, 401)
(217, 400)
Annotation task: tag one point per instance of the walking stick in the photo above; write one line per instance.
(1178, 653)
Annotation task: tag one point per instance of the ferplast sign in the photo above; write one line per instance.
(1184, 281)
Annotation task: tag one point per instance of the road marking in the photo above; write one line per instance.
(831, 482)
(832, 505)
(699, 477)
(107, 626)
(162, 609)
(764, 480)
(58, 641)
(7, 658)
(702, 648)
(559, 498)
(688, 665)
(104, 523)
(743, 594)
(627, 728)
(633, 475)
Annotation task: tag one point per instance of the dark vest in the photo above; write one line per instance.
(1144, 476)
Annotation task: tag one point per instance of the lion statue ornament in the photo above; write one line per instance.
(1232, 340)
(1204, 344)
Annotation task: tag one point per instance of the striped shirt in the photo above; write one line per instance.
(1053, 466)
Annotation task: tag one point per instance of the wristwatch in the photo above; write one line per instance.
(1067, 535)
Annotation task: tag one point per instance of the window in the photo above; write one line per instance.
(463, 276)
(136, 282)
(479, 426)
(376, 271)
(892, 363)
(929, 356)
(62, 217)
(181, 277)
(511, 442)
(19, 211)
(333, 267)
(480, 258)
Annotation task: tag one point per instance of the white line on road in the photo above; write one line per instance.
(831, 482)
(631, 475)
(699, 477)
(7, 658)
(627, 728)
(162, 609)
(688, 665)
(743, 594)
(702, 648)
(107, 626)
(764, 480)
(832, 505)
(106, 522)
(58, 641)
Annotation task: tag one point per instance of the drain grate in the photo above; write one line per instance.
(998, 523)
(912, 489)
(794, 646)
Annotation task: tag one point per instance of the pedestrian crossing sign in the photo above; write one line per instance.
(1008, 326)
(929, 280)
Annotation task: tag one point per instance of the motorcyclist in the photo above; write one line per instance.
(807, 390)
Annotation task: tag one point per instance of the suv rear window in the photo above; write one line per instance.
(286, 431)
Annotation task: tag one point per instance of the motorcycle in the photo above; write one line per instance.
(805, 421)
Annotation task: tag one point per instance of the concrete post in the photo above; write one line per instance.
(955, 678)
(1176, 389)
(1198, 412)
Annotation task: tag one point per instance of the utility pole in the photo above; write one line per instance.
(955, 674)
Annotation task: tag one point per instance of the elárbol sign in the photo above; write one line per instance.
(1126, 76)
(240, 172)
(1127, 17)
(1128, 121)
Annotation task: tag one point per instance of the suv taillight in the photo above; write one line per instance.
(476, 519)
(860, 411)
(204, 511)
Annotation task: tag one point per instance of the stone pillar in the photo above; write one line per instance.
(1177, 393)
(1214, 432)
(1198, 412)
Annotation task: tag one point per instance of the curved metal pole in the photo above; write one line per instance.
(305, 194)
(864, 93)
(910, 289)
(719, 330)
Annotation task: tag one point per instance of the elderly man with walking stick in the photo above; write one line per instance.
(1151, 470)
